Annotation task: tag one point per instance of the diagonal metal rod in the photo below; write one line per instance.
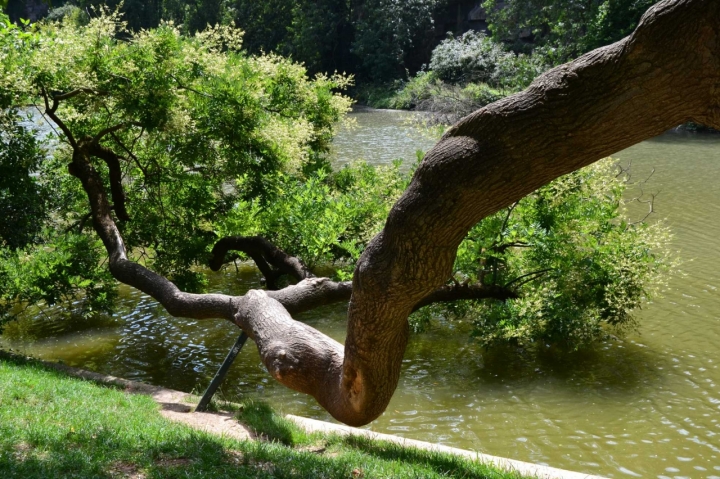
(220, 375)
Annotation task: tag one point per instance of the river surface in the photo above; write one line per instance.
(648, 406)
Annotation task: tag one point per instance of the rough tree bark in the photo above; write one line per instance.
(666, 73)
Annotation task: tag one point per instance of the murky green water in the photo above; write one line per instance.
(645, 407)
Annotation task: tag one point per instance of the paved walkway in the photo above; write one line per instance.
(174, 405)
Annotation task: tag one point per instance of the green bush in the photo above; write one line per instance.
(476, 58)
(566, 28)
(578, 265)
(326, 219)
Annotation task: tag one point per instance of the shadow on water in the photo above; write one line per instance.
(28, 328)
(613, 367)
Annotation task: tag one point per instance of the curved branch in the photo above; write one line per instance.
(176, 302)
(533, 274)
(71, 94)
(456, 292)
(265, 254)
(112, 129)
(312, 293)
(50, 111)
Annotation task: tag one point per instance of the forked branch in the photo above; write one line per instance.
(270, 260)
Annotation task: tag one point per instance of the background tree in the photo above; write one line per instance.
(139, 14)
(568, 28)
(377, 40)
(265, 24)
(393, 38)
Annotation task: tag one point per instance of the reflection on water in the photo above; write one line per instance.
(645, 407)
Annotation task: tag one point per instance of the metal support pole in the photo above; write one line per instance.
(220, 375)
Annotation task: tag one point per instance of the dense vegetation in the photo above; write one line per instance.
(391, 47)
(580, 266)
(380, 40)
(564, 29)
(197, 143)
(525, 38)
(376, 40)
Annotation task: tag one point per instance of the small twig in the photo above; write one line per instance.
(96, 139)
(74, 93)
(507, 217)
(534, 273)
(79, 224)
(50, 123)
(651, 209)
(183, 87)
(130, 154)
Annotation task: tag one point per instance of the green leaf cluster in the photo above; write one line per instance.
(22, 195)
(65, 270)
(326, 219)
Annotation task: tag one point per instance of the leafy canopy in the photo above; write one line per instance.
(202, 129)
(567, 28)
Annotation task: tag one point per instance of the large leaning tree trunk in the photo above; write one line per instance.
(666, 73)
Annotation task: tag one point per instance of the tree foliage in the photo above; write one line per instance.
(475, 58)
(326, 219)
(199, 129)
(208, 142)
(377, 40)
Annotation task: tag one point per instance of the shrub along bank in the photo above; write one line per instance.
(465, 73)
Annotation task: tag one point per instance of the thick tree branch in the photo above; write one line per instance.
(176, 302)
(312, 293)
(112, 160)
(666, 73)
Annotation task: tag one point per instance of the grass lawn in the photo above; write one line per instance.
(55, 426)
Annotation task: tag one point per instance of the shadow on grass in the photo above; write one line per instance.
(270, 426)
(445, 465)
(103, 455)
